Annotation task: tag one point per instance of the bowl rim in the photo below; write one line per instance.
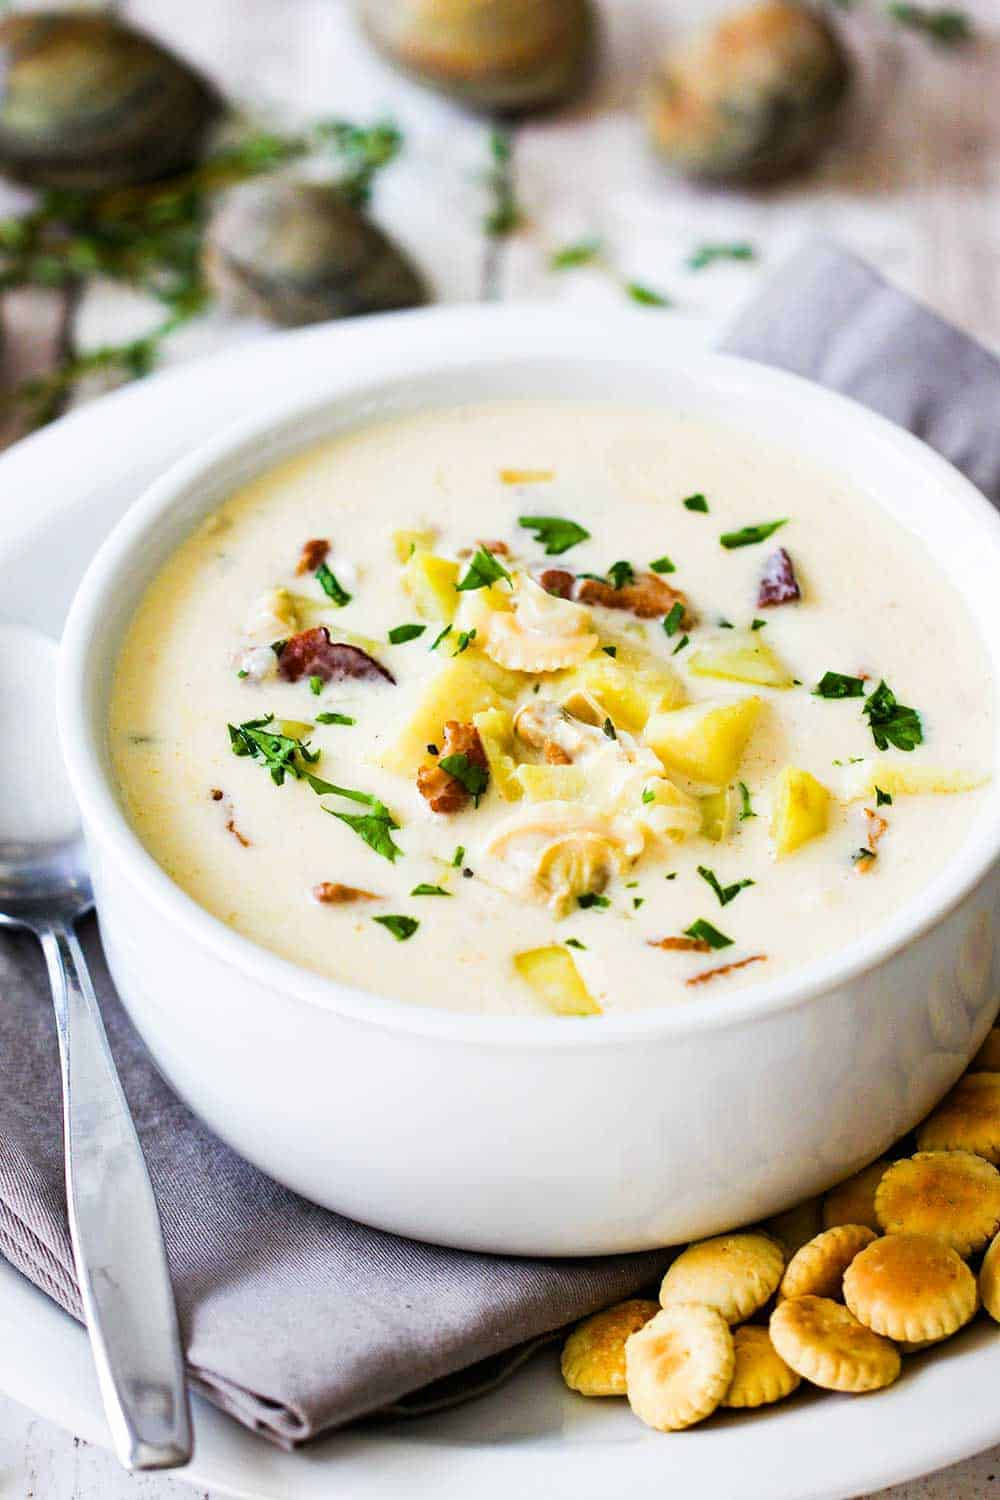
(625, 336)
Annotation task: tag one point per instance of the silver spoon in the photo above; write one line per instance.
(121, 1265)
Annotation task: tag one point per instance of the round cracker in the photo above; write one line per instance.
(824, 1343)
(952, 1196)
(853, 1201)
(760, 1375)
(989, 1280)
(987, 1059)
(817, 1270)
(679, 1366)
(593, 1357)
(734, 1273)
(910, 1287)
(967, 1119)
(796, 1225)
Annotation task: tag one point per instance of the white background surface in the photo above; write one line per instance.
(916, 188)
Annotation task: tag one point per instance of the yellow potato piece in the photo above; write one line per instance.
(910, 1287)
(734, 1273)
(430, 581)
(824, 1343)
(718, 814)
(679, 1366)
(593, 1357)
(741, 656)
(458, 691)
(901, 780)
(952, 1196)
(796, 1225)
(705, 741)
(543, 783)
(760, 1375)
(853, 1200)
(556, 981)
(405, 543)
(496, 734)
(607, 687)
(987, 1059)
(801, 810)
(989, 1280)
(967, 1119)
(817, 1269)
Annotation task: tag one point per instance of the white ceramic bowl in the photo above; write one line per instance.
(553, 1136)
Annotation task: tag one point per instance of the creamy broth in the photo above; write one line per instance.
(873, 607)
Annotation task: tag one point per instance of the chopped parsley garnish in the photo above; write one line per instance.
(621, 574)
(696, 502)
(756, 624)
(483, 570)
(706, 255)
(862, 854)
(243, 672)
(280, 753)
(892, 723)
(331, 588)
(882, 799)
(556, 534)
(435, 643)
(748, 535)
(591, 899)
(725, 893)
(645, 295)
(746, 810)
(423, 889)
(611, 651)
(836, 685)
(672, 623)
(374, 826)
(278, 646)
(464, 770)
(609, 729)
(400, 927)
(316, 686)
(575, 943)
(458, 856)
(671, 876)
(583, 253)
(662, 565)
(725, 624)
(637, 901)
(465, 639)
(648, 795)
(400, 634)
(680, 644)
(950, 28)
(704, 932)
(334, 719)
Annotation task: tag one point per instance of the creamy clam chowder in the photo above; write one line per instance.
(534, 707)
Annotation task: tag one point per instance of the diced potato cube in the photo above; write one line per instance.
(740, 656)
(501, 679)
(556, 981)
(458, 691)
(626, 692)
(406, 543)
(907, 781)
(661, 684)
(801, 810)
(551, 783)
(431, 581)
(705, 741)
(717, 814)
(496, 731)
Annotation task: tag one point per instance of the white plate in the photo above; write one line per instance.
(60, 492)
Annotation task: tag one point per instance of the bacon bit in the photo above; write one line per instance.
(778, 584)
(526, 476)
(311, 653)
(232, 828)
(555, 755)
(558, 582)
(681, 945)
(708, 974)
(648, 597)
(877, 825)
(445, 792)
(313, 555)
(332, 893)
(216, 795)
(499, 549)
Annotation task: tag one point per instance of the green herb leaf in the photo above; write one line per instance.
(400, 634)
(591, 899)
(704, 932)
(725, 893)
(672, 623)
(648, 795)
(696, 502)
(435, 643)
(949, 28)
(680, 644)
(746, 809)
(316, 686)
(621, 574)
(892, 723)
(609, 729)
(331, 587)
(708, 254)
(836, 685)
(556, 533)
(458, 856)
(423, 889)
(638, 901)
(575, 943)
(662, 565)
(611, 651)
(747, 536)
(504, 214)
(375, 826)
(580, 254)
(472, 776)
(483, 570)
(334, 719)
(280, 753)
(757, 624)
(645, 295)
(243, 672)
(465, 639)
(882, 799)
(400, 927)
(862, 854)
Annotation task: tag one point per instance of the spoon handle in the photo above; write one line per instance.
(121, 1265)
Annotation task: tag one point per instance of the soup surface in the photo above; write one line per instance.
(535, 706)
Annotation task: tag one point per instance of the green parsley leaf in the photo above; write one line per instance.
(757, 624)
(892, 723)
(609, 729)
(882, 799)
(648, 795)
(836, 685)
(748, 535)
(554, 532)
(375, 826)
(575, 943)
(334, 719)
(671, 876)
(662, 565)
(277, 647)
(746, 810)
(464, 770)
(423, 889)
(949, 28)
(400, 634)
(621, 574)
(645, 295)
(280, 753)
(708, 254)
(672, 623)
(458, 856)
(243, 672)
(638, 901)
(696, 502)
(435, 643)
(680, 644)
(483, 570)
(465, 639)
(706, 933)
(400, 927)
(316, 686)
(591, 899)
(862, 854)
(725, 893)
(331, 587)
(580, 254)
(611, 651)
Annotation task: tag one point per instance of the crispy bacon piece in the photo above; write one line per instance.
(332, 893)
(555, 755)
(647, 597)
(877, 825)
(311, 653)
(313, 555)
(709, 974)
(232, 828)
(558, 582)
(682, 945)
(778, 583)
(445, 792)
(217, 795)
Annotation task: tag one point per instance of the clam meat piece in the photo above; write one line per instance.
(88, 102)
(504, 56)
(297, 252)
(751, 99)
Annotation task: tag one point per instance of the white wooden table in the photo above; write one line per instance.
(915, 187)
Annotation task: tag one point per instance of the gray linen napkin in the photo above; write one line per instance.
(297, 1320)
